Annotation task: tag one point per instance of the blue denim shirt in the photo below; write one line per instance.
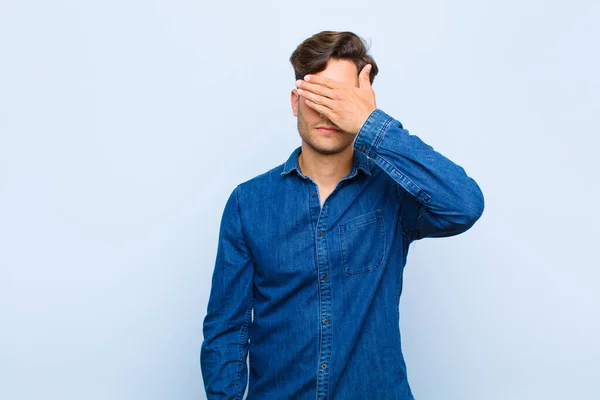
(325, 283)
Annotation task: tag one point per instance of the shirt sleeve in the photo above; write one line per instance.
(224, 349)
(437, 198)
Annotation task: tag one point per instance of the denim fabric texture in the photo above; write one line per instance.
(325, 283)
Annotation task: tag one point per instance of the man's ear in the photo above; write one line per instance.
(294, 99)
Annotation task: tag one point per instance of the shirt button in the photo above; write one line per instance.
(325, 321)
(314, 194)
(323, 277)
(321, 234)
(363, 148)
(323, 366)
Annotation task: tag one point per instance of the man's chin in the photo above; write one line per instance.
(325, 149)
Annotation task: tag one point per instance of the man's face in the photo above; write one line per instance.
(309, 119)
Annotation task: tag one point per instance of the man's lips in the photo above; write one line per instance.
(327, 129)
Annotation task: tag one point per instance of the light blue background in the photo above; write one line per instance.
(124, 126)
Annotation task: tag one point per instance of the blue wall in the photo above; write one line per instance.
(124, 125)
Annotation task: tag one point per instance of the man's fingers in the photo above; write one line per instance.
(315, 88)
(321, 80)
(315, 98)
(318, 107)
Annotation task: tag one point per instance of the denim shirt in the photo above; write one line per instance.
(312, 293)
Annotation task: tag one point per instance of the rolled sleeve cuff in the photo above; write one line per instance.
(372, 131)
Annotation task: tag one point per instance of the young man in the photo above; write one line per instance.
(317, 246)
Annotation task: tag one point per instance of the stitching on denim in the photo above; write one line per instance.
(400, 203)
(239, 212)
(383, 241)
(357, 224)
(377, 141)
(249, 310)
(349, 225)
(398, 296)
(240, 350)
(382, 132)
(379, 137)
(314, 233)
(403, 177)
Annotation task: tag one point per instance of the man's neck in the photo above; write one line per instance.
(325, 170)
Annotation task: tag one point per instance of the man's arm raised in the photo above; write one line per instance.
(437, 197)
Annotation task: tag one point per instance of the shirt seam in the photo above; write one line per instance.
(248, 310)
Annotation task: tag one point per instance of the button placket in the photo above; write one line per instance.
(324, 293)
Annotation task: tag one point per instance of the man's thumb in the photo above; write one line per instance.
(365, 80)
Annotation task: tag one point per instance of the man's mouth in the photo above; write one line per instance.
(327, 129)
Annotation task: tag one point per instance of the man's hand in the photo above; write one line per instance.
(348, 107)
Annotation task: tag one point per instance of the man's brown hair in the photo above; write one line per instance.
(311, 55)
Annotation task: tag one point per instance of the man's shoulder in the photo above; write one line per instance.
(258, 183)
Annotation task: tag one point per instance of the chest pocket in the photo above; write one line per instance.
(362, 243)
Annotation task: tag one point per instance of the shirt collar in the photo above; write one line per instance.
(359, 161)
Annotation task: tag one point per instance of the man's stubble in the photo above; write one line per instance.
(320, 143)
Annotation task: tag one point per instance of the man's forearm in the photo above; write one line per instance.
(452, 199)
